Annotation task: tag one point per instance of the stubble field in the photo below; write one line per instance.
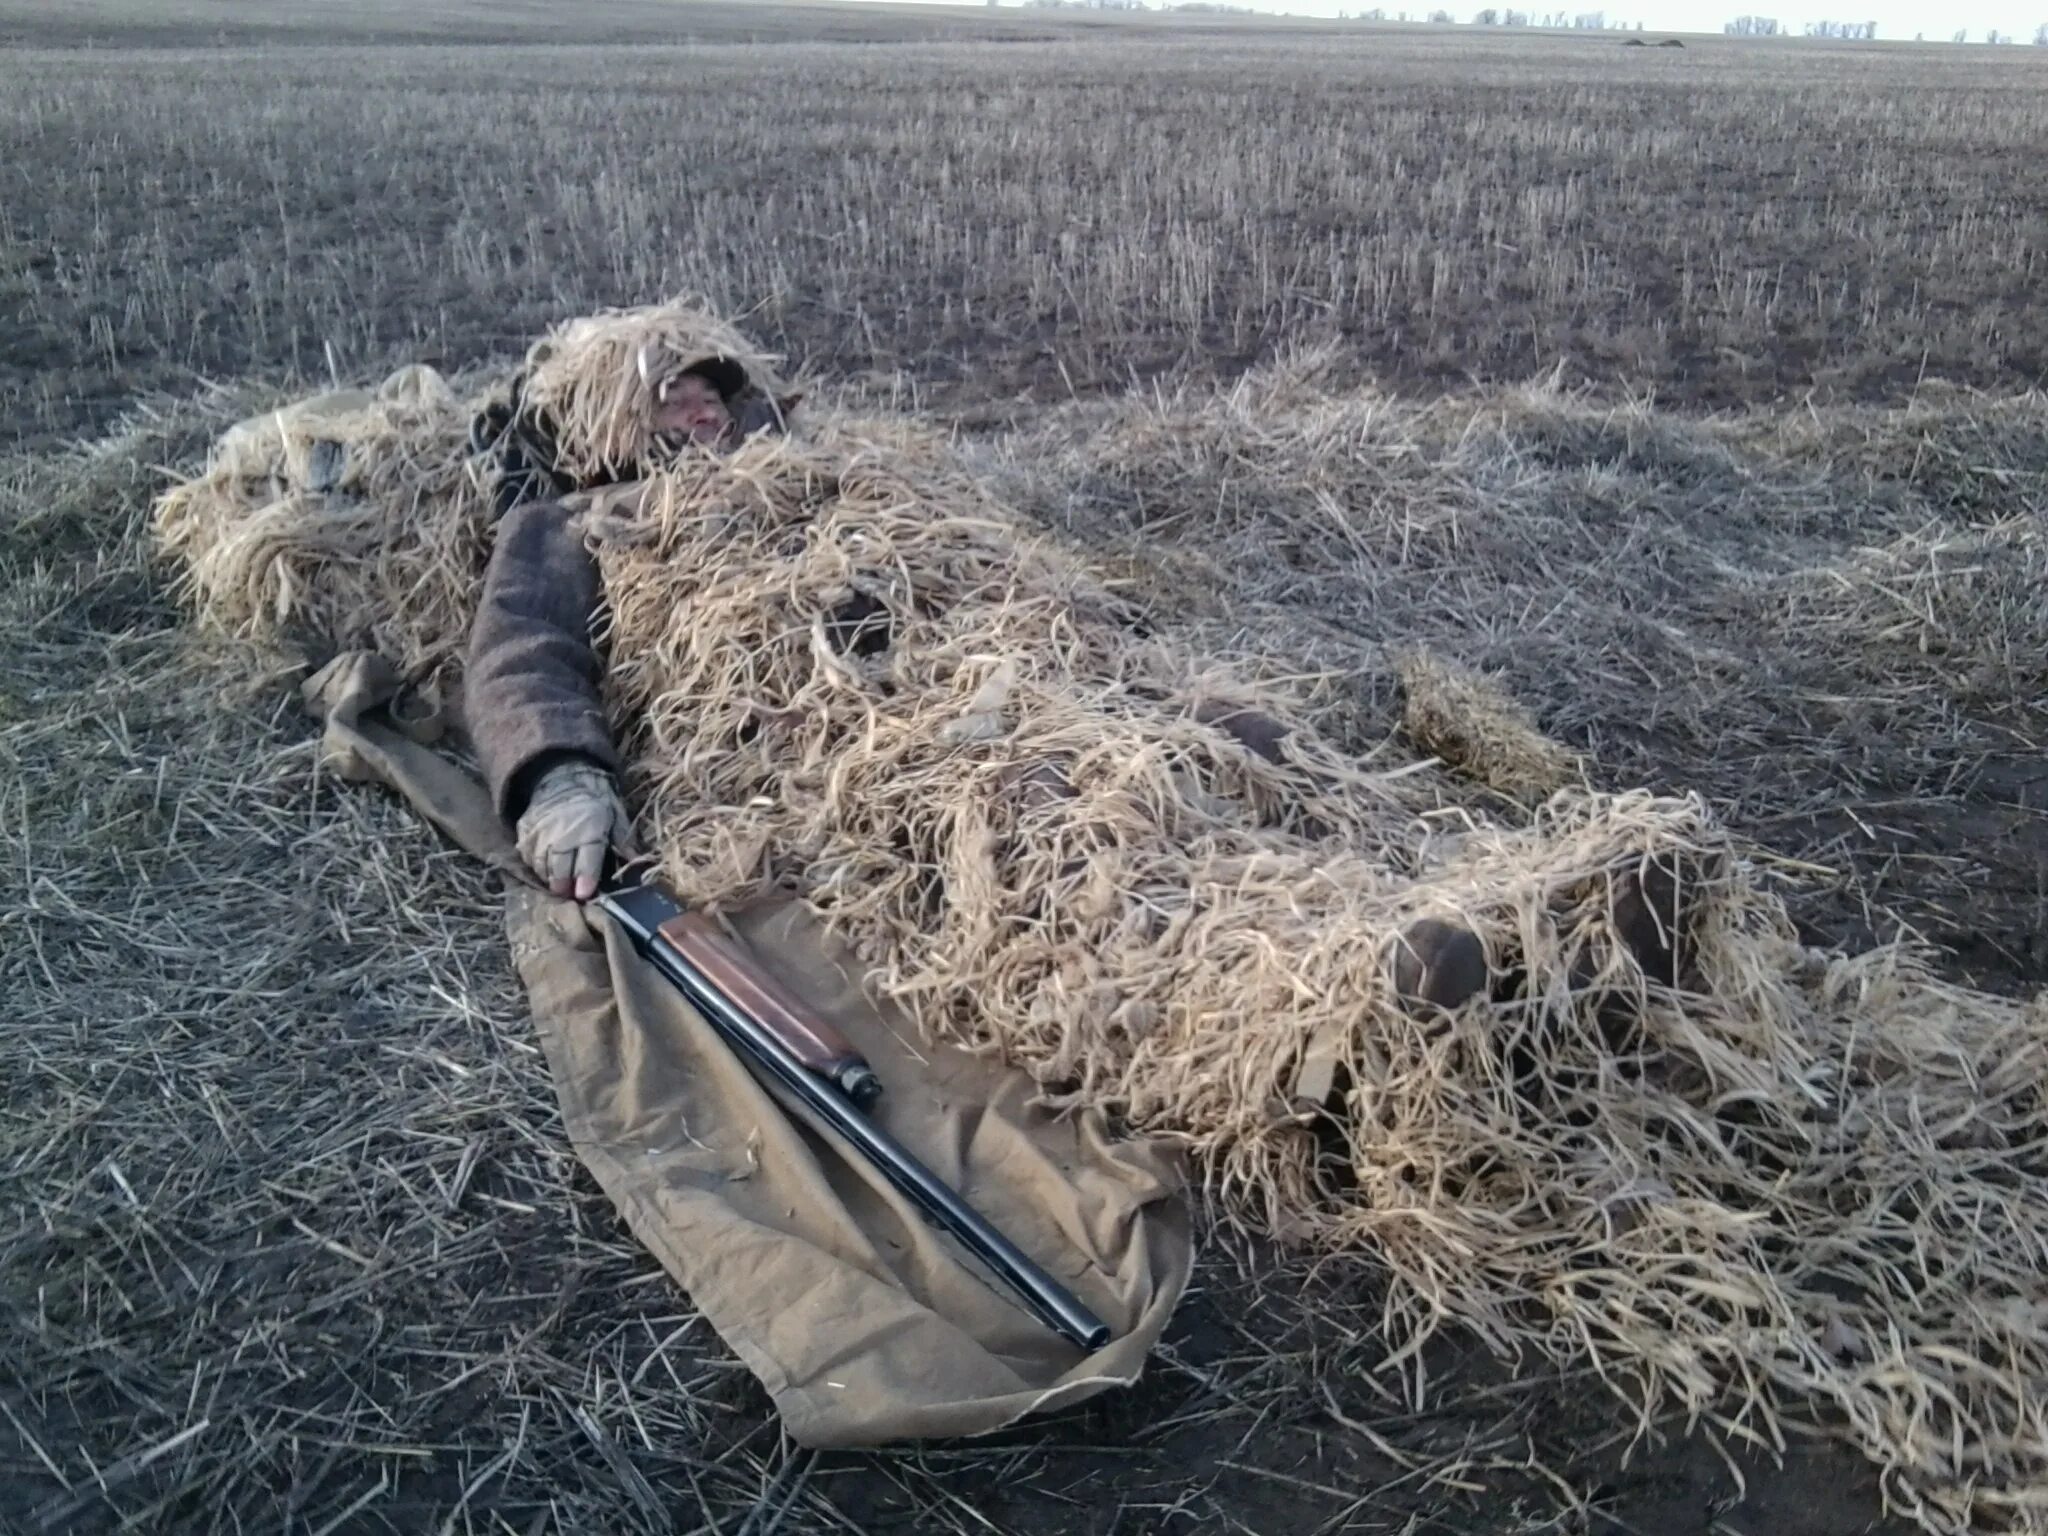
(291, 1239)
(1063, 210)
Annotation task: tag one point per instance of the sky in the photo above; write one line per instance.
(1897, 20)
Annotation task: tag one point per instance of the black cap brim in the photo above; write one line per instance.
(723, 374)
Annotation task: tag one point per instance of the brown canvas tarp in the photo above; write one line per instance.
(864, 1323)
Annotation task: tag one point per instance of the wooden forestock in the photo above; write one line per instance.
(810, 1038)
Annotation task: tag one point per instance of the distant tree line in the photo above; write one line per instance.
(1862, 31)
(1583, 21)
(1770, 26)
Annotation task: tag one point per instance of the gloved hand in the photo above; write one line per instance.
(573, 816)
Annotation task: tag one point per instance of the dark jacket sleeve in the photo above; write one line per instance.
(531, 681)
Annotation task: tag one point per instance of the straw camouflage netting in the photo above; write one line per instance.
(1769, 1183)
(360, 518)
(350, 519)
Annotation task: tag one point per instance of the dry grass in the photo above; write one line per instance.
(343, 520)
(1468, 722)
(1735, 605)
(1726, 224)
(1749, 1185)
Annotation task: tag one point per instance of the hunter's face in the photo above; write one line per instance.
(690, 407)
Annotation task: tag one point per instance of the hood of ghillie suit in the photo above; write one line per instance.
(594, 381)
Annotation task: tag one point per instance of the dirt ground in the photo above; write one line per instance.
(289, 1236)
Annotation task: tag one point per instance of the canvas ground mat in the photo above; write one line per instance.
(863, 1322)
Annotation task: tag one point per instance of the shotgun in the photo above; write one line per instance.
(787, 1045)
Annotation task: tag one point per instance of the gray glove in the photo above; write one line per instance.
(572, 818)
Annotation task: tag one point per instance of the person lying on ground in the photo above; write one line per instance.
(532, 682)
(533, 676)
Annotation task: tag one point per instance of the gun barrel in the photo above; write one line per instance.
(642, 911)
